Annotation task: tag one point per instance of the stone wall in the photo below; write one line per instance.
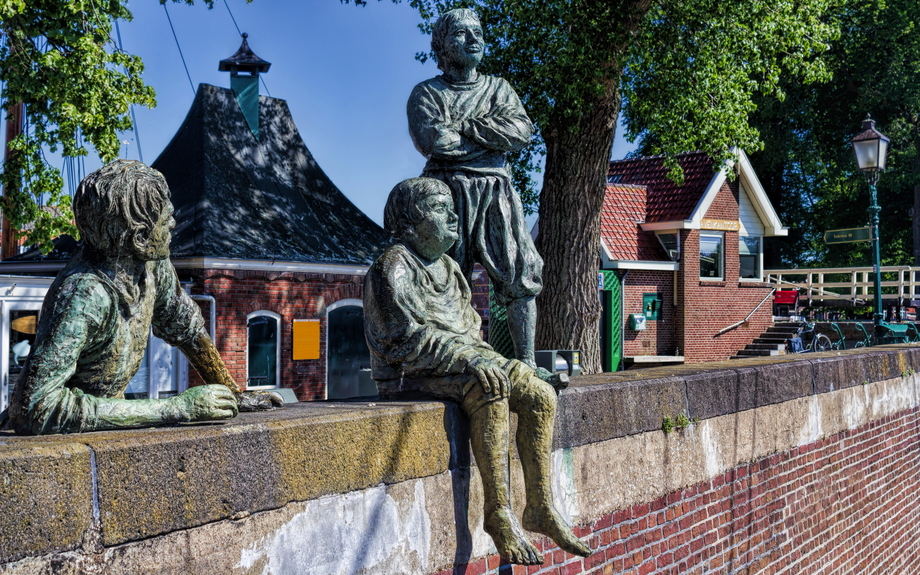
(791, 464)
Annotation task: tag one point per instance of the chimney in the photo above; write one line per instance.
(244, 68)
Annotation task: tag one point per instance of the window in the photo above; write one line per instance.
(263, 350)
(671, 244)
(711, 255)
(19, 337)
(749, 258)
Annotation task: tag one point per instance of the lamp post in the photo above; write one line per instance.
(871, 149)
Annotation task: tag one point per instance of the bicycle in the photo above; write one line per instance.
(817, 342)
(867, 340)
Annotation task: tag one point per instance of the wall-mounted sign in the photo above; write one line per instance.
(306, 339)
(724, 225)
(847, 235)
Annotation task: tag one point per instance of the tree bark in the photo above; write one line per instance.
(577, 162)
(9, 246)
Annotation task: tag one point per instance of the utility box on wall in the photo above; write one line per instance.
(637, 321)
(651, 306)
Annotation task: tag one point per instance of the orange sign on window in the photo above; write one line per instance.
(306, 339)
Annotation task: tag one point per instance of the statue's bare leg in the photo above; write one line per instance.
(535, 404)
(489, 440)
(522, 325)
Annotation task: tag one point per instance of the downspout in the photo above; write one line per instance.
(622, 318)
(213, 313)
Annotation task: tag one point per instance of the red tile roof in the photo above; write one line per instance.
(666, 201)
(624, 207)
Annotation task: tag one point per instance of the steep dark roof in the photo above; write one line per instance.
(666, 201)
(266, 199)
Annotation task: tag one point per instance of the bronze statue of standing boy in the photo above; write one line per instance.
(424, 340)
(466, 123)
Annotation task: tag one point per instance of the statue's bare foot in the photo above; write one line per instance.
(259, 400)
(510, 539)
(559, 380)
(547, 521)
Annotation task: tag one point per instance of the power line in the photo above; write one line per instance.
(176, 38)
(232, 18)
(137, 134)
(264, 85)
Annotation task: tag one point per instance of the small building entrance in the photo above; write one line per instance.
(348, 374)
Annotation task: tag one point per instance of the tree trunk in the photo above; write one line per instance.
(9, 246)
(577, 162)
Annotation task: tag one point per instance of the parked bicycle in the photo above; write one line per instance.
(806, 340)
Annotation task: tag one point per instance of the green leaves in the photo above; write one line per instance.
(59, 58)
(696, 67)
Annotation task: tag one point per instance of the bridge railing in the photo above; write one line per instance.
(855, 285)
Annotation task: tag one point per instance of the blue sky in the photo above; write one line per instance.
(345, 72)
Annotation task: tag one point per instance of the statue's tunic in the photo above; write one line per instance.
(90, 342)
(423, 333)
(466, 130)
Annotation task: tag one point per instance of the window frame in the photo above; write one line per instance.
(721, 271)
(277, 318)
(676, 233)
(759, 276)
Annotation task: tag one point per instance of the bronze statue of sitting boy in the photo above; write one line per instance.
(424, 340)
(98, 313)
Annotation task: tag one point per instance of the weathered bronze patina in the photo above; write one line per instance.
(465, 123)
(98, 313)
(424, 339)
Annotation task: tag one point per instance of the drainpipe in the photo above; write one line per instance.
(213, 308)
(622, 316)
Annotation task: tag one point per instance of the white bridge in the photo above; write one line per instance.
(845, 287)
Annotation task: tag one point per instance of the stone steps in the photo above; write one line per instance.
(771, 342)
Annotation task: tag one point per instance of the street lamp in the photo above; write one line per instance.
(871, 149)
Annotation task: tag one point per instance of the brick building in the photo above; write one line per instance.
(274, 253)
(682, 264)
(277, 251)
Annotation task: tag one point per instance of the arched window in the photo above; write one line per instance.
(263, 350)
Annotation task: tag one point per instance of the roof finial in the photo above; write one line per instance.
(245, 61)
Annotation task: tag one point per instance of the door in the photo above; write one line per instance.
(349, 363)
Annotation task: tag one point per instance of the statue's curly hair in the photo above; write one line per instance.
(401, 212)
(118, 200)
(442, 28)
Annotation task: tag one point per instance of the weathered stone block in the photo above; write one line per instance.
(592, 413)
(154, 481)
(360, 446)
(46, 496)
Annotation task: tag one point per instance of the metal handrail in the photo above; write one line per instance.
(745, 320)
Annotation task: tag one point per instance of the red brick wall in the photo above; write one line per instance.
(290, 295)
(710, 306)
(660, 336)
(843, 505)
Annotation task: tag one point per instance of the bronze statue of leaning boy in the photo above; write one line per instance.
(98, 313)
(424, 340)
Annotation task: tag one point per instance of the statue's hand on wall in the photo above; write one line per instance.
(206, 402)
(259, 400)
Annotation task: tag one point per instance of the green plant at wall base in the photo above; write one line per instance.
(669, 424)
(908, 372)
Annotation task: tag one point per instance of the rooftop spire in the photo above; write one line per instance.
(244, 60)
(244, 68)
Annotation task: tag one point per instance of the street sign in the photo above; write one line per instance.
(847, 235)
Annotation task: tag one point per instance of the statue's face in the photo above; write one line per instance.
(158, 244)
(433, 236)
(464, 44)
